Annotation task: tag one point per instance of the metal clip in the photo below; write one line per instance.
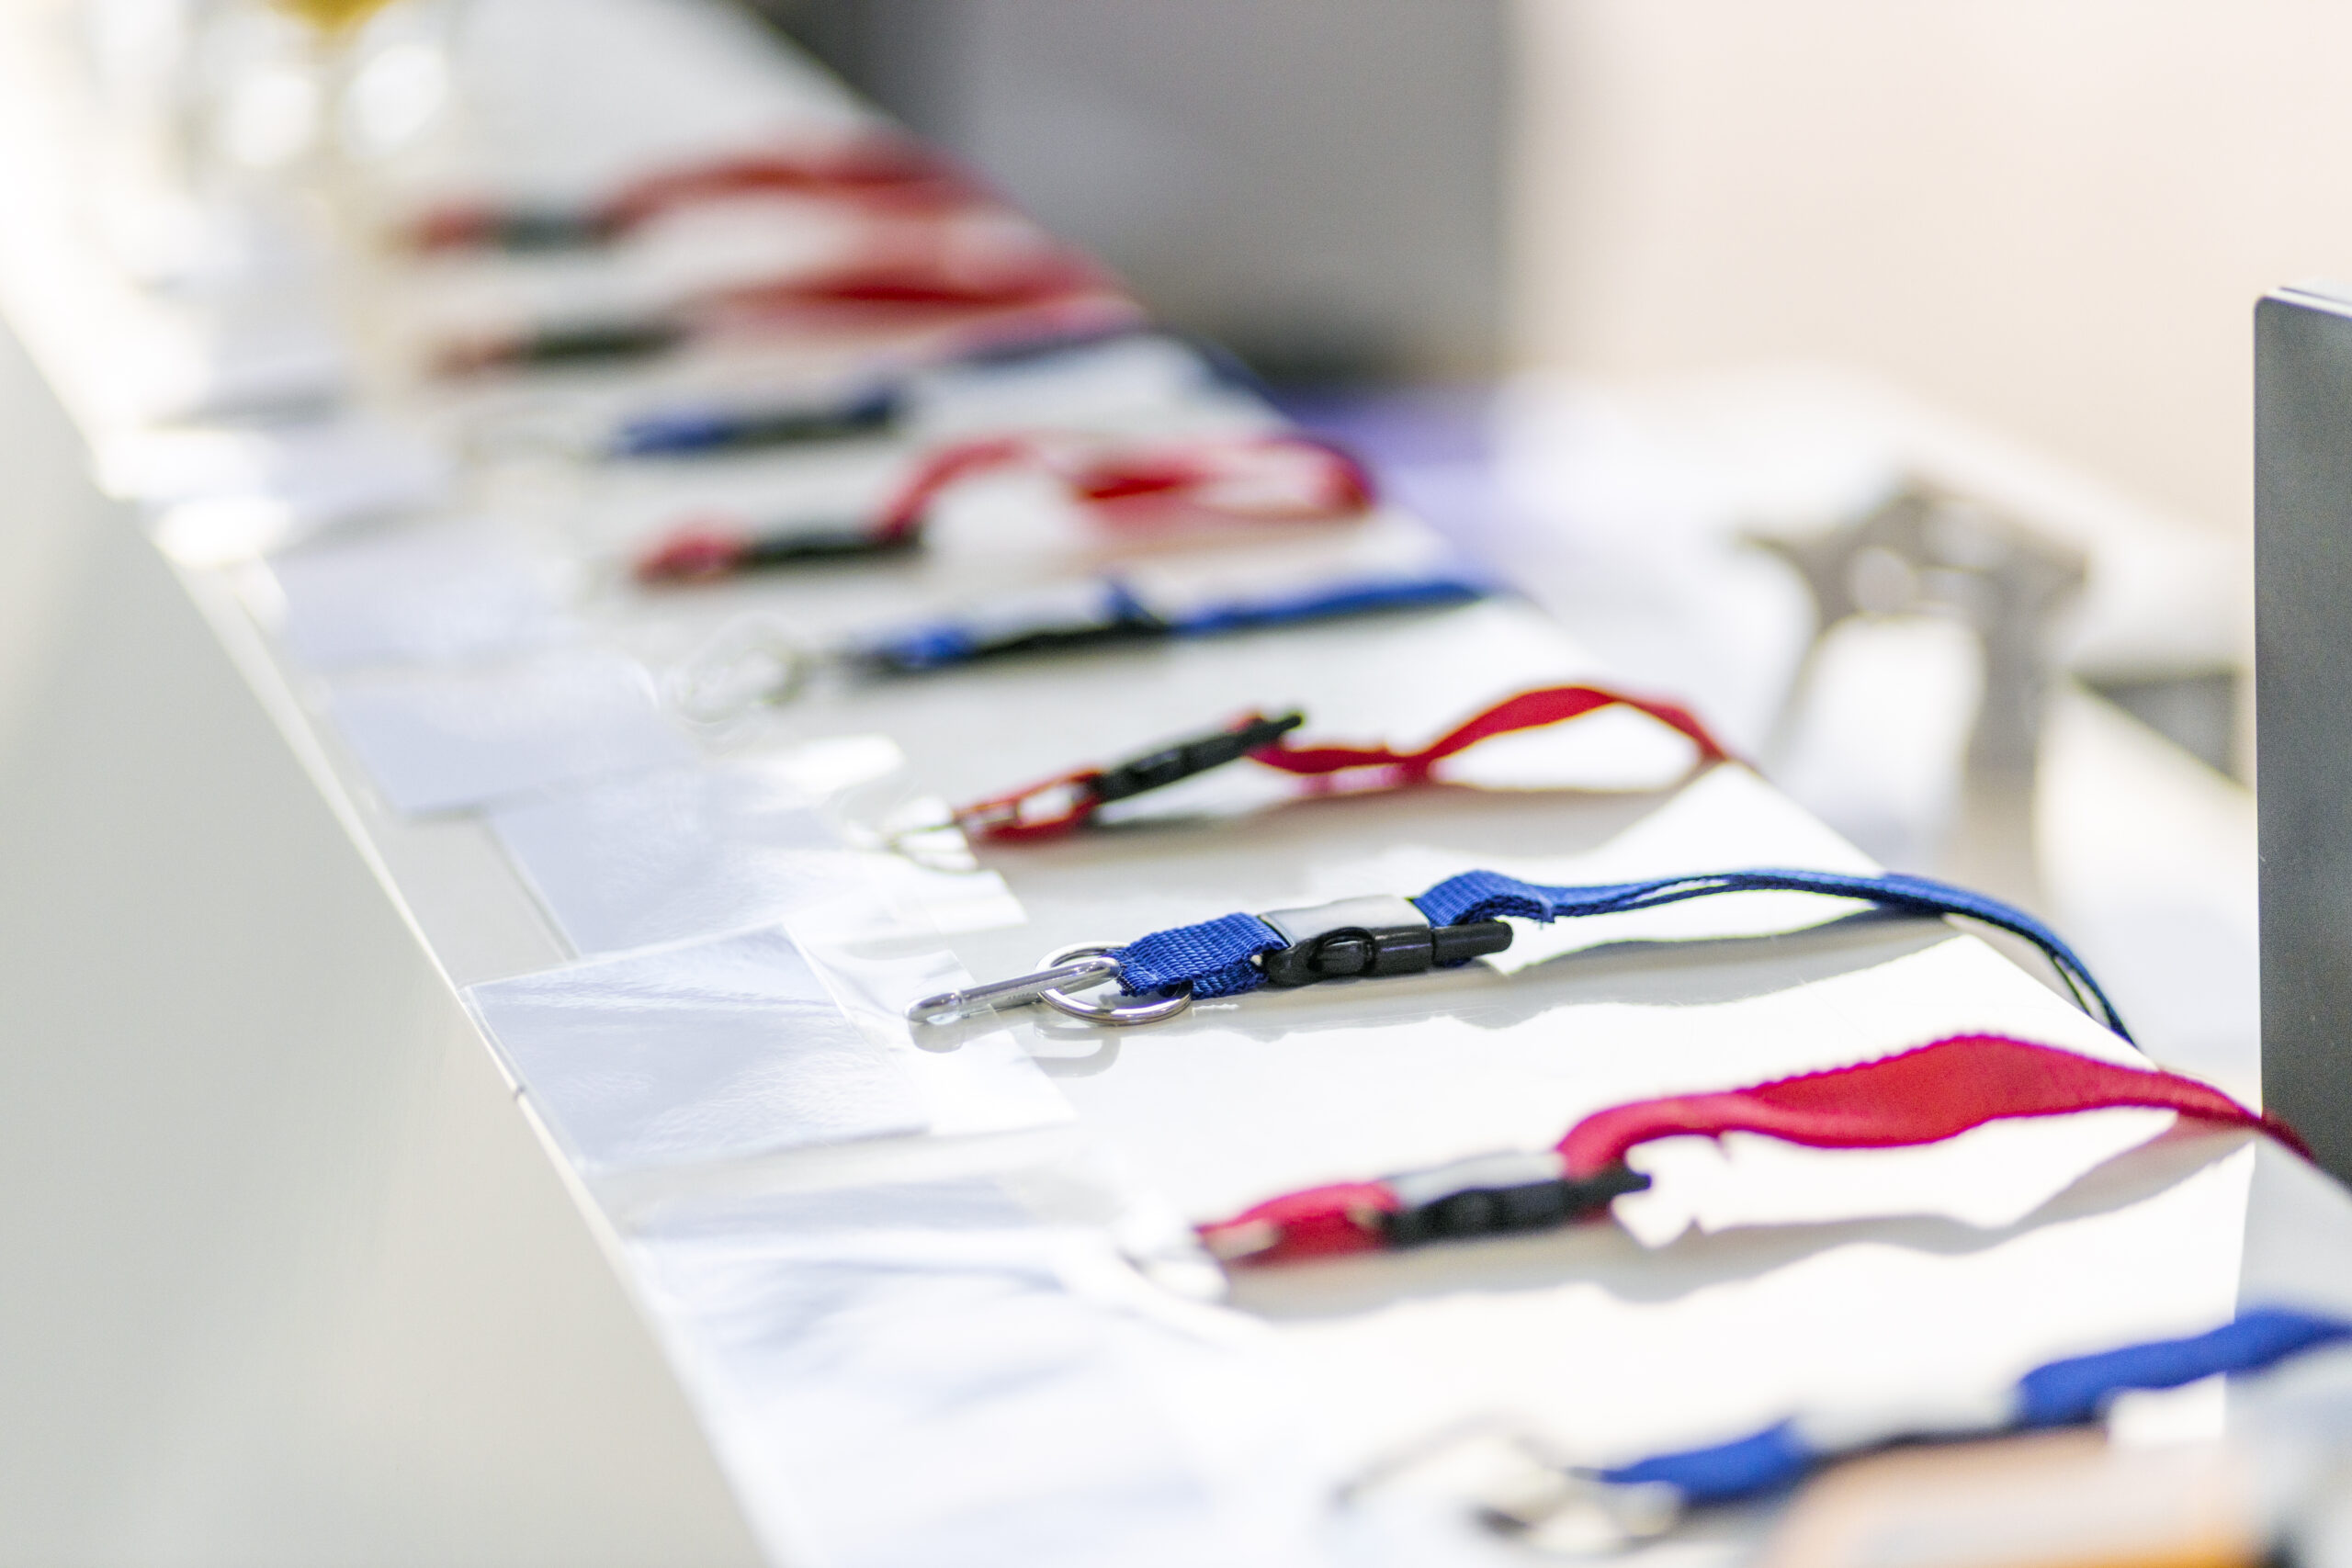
(1518, 1483)
(1072, 968)
(747, 663)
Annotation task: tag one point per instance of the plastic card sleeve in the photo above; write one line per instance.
(433, 595)
(900, 1375)
(444, 741)
(680, 853)
(877, 956)
(691, 1053)
(322, 471)
(250, 357)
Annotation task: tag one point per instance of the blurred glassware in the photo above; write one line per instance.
(296, 88)
(333, 19)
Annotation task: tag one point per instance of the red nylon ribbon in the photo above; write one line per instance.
(1131, 483)
(1922, 1096)
(888, 172)
(1000, 819)
(1134, 479)
(1919, 1097)
(922, 272)
(885, 171)
(1529, 710)
(701, 550)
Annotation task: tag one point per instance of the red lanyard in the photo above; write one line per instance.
(886, 171)
(1066, 803)
(1278, 476)
(977, 282)
(882, 171)
(1270, 477)
(1920, 1096)
(920, 270)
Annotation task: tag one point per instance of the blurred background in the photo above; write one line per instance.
(1875, 379)
(1876, 376)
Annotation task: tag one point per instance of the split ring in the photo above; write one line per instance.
(1116, 1015)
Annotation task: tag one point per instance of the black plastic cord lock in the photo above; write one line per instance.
(1157, 769)
(1379, 934)
(588, 342)
(817, 543)
(1498, 1195)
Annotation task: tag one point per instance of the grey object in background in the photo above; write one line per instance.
(1925, 550)
(1316, 182)
(2303, 493)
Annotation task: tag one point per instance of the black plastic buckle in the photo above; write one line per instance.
(1381, 934)
(547, 230)
(591, 342)
(1498, 1195)
(824, 543)
(1155, 770)
(1074, 615)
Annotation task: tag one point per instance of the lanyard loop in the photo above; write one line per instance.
(880, 402)
(1262, 477)
(1070, 801)
(1920, 1096)
(1642, 1499)
(1230, 955)
(1528, 710)
(875, 170)
(1060, 805)
(1281, 477)
(1006, 281)
(753, 661)
(2056, 1393)
(1463, 917)
(1116, 615)
(939, 268)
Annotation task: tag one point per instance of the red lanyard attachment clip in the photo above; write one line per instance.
(1500, 1194)
(1052, 808)
(1062, 805)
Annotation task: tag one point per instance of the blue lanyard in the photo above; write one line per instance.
(1240, 953)
(1457, 920)
(700, 429)
(693, 431)
(1110, 612)
(2058, 1394)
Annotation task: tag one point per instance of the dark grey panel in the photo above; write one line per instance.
(1318, 182)
(2304, 703)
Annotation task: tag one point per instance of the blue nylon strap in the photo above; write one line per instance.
(1758, 1463)
(2058, 1394)
(1217, 953)
(1486, 895)
(1212, 956)
(1326, 604)
(943, 643)
(685, 431)
(2076, 1389)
